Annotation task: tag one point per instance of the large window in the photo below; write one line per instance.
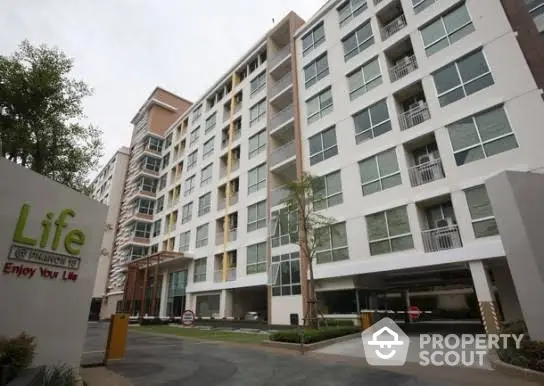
(331, 244)
(420, 5)
(206, 175)
(364, 79)
(389, 231)
(323, 145)
(194, 136)
(192, 159)
(380, 172)
(154, 144)
(328, 191)
(461, 78)
(446, 30)
(204, 204)
(165, 160)
(151, 163)
(481, 213)
(199, 273)
(142, 229)
(184, 241)
(202, 236)
(186, 213)
(313, 39)
(210, 123)
(207, 148)
(284, 227)
(148, 185)
(197, 113)
(482, 135)
(145, 206)
(189, 186)
(372, 122)
(319, 105)
(358, 40)
(256, 179)
(256, 258)
(258, 83)
(162, 182)
(137, 252)
(257, 112)
(257, 143)
(256, 216)
(284, 275)
(536, 10)
(157, 228)
(160, 204)
(350, 9)
(316, 70)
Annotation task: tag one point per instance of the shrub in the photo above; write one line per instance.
(60, 375)
(313, 335)
(337, 322)
(153, 322)
(16, 354)
(530, 354)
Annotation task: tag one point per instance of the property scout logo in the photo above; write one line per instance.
(385, 344)
(31, 249)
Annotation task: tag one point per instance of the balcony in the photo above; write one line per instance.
(280, 56)
(218, 275)
(443, 238)
(233, 200)
(427, 172)
(282, 153)
(415, 115)
(231, 236)
(392, 27)
(403, 67)
(235, 165)
(281, 84)
(281, 117)
(277, 195)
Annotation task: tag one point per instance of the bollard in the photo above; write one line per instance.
(117, 337)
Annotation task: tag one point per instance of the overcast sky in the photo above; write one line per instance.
(124, 48)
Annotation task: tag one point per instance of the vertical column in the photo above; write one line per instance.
(155, 284)
(484, 293)
(164, 295)
(507, 294)
(225, 304)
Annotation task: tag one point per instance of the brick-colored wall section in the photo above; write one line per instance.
(530, 40)
(161, 118)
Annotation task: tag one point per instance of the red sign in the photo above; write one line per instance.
(28, 271)
(188, 318)
(414, 312)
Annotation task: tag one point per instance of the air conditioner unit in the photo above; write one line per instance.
(444, 222)
(404, 60)
(426, 171)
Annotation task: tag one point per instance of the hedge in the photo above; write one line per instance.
(530, 355)
(154, 321)
(313, 335)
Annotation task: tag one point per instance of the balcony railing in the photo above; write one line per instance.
(403, 67)
(281, 84)
(233, 200)
(277, 195)
(235, 135)
(220, 236)
(226, 113)
(282, 153)
(415, 116)
(281, 117)
(234, 166)
(441, 239)
(426, 172)
(218, 275)
(393, 27)
(282, 54)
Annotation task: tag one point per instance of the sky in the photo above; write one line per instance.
(123, 49)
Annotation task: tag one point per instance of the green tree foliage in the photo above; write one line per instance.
(40, 105)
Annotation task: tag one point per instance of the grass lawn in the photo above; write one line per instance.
(196, 333)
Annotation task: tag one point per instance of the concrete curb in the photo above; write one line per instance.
(515, 371)
(311, 346)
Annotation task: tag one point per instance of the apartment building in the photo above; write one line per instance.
(107, 188)
(403, 108)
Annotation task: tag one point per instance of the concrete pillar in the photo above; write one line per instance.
(225, 304)
(189, 302)
(484, 293)
(164, 295)
(507, 294)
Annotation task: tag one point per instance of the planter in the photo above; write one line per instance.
(311, 346)
(515, 371)
(29, 377)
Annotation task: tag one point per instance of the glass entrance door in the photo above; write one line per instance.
(176, 293)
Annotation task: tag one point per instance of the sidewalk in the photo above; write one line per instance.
(101, 376)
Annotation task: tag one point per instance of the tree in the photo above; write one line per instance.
(40, 105)
(302, 195)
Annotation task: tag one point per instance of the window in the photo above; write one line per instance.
(257, 112)
(446, 30)
(389, 231)
(323, 145)
(313, 39)
(137, 252)
(186, 213)
(256, 258)
(319, 106)
(196, 113)
(206, 175)
(155, 144)
(168, 141)
(257, 143)
(191, 160)
(184, 241)
(380, 172)
(145, 206)
(165, 160)
(350, 10)
(189, 186)
(480, 136)
(420, 5)
(204, 204)
(364, 79)
(202, 236)
(199, 273)
(285, 274)
(358, 41)
(154, 248)
(256, 216)
(331, 243)
(328, 191)
(160, 204)
(153, 164)
(142, 229)
(210, 123)
(207, 148)
(462, 78)
(483, 220)
(316, 70)
(157, 228)
(148, 185)
(258, 83)
(284, 227)
(536, 10)
(256, 179)
(372, 122)
(194, 136)
(162, 182)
